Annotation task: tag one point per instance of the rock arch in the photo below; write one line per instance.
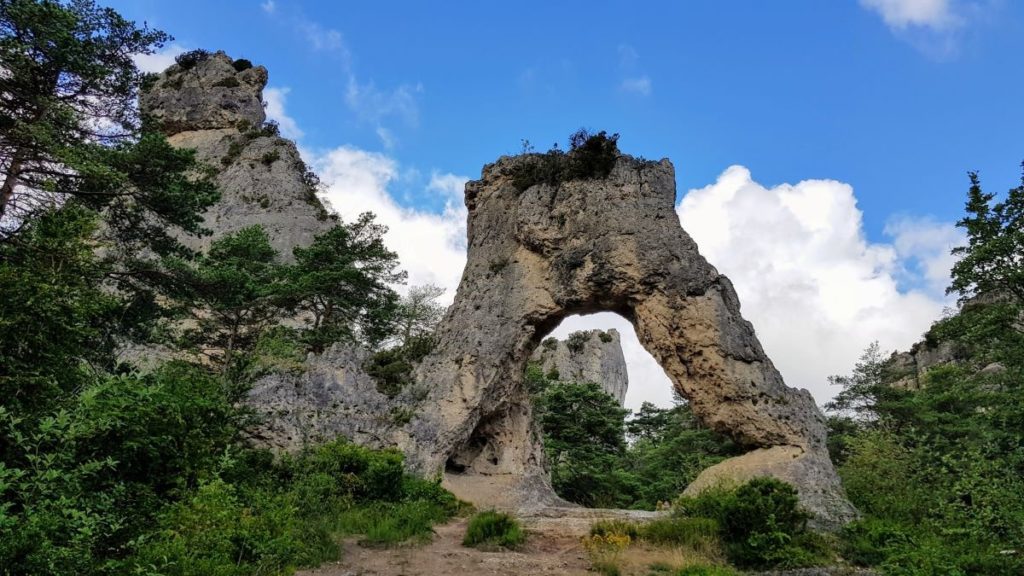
(615, 244)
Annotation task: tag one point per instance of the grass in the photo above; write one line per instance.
(490, 529)
(386, 524)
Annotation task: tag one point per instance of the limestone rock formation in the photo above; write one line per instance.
(587, 356)
(218, 111)
(328, 396)
(907, 369)
(539, 254)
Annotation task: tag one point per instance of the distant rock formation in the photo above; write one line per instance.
(587, 356)
(216, 107)
(540, 251)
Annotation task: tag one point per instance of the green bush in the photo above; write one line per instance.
(606, 528)
(492, 528)
(392, 368)
(241, 64)
(590, 156)
(697, 533)
(868, 542)
(188, 60)
(760, 524)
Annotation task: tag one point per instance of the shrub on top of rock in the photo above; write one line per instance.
(591, 156)
(188, 60)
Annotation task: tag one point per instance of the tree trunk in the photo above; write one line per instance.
(10, 182)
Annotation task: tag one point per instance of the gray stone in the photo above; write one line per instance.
(260, 175)
(587, 356)
(327, 397)
(210, 95)
(539, 255)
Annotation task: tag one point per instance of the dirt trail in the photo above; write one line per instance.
(549, 549)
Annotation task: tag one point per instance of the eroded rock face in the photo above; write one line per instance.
(587, 356)
(261, 178)
(541, 254)
(326, 397)
(211, 94)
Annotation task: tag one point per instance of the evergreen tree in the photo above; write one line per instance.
(69, 126)
(992, 262)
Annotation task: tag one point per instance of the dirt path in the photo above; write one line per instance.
(552, 547)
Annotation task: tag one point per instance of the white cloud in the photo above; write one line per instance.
(323, 39)
(815, 289)
(924, 245)
(269, 6)
(640, 85)
(275, 99)
(901, 14)
(159, 61)
(430, 246)
(374, 105)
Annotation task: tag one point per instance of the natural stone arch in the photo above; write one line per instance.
(615, 244)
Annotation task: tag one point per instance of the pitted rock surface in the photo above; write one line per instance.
(207, 96)
(587, 356)
(615, 244)
(328, 396)
(260, 175)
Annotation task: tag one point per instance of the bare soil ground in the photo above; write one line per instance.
(547, 551)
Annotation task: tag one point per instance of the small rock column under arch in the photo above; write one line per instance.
(615, 244)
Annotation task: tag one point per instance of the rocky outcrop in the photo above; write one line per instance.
(539, 254)
(906, 370)
(587, 356)
(326, 397)
(216, 107)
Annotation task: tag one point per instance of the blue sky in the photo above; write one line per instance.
(870, 111)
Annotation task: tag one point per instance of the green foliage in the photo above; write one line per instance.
(937, 470)
(990, 264)
(418, 313)
(392, 368)
(695, 533)
(270, 157)
(227, 82)
(760, 524)
(72, 130)
(590, 156)
(241, 64)
(231, 294)
(54, 317)
(583, 440)
(342, 283)
(576, 341)
(189, 60)
(494, 529)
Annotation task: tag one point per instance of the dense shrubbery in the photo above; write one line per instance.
(937, 471)
(494, 529)
(592, 464)
(760, 524)
(590, 156)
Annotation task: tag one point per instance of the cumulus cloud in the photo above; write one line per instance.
(158, 61)
(901, 14)
(431, 246)
(817, 291)
(924, 246)
(275, 99)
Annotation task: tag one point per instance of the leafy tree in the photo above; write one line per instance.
(991, 262)
(231, 294)
(583, 440)
(57, 325)
(418, 312)
(69, 126)
(342, 282)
